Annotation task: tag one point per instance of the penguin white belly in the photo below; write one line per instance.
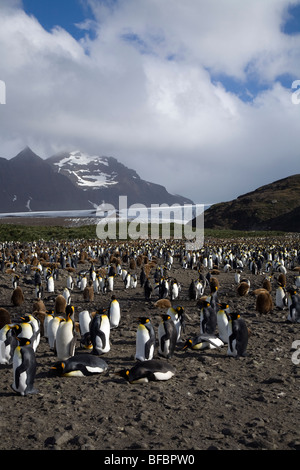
(50, 284)
(163, 375)
(114, 314)
(52, 331)
(17, 361)
(110, 283)
(84, 322)
(64, 340)
(222, 322)
(105, 328)
(141, 339)
(279, 299)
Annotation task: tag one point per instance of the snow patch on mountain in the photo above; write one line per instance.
(88, 171)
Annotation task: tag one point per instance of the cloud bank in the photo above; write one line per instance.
(189, 94)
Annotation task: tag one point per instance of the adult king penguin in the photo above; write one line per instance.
(208, 318)
(146, 371)
(222, 321)
(145, 340)
(66, 336)
(80, 365)
(100, 333)
(178, 317)
(114, 312)
(24, 368)
(237, 336)
(167, 336)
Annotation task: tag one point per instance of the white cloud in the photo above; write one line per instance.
(142, 90)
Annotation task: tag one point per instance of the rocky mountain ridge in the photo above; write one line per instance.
(73, 181)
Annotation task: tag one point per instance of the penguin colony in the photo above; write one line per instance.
(80, 338)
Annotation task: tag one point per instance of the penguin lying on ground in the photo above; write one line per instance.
(80, 365)
(146, 371)
(204, 341)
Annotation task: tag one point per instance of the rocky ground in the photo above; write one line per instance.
(213, 401)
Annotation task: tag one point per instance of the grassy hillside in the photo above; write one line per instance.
(269, 207)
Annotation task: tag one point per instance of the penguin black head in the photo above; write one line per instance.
(123, 373)
(69, 311)
(58, 367)
(223, 305)
(24, 341)
(234, 316)
(165, 316)
(188, 344)
(144, 320)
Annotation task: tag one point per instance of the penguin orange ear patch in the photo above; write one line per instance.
(127, 372)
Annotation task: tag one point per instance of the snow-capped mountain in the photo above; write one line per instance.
(105, 179)
(86, 171)
(73, 181)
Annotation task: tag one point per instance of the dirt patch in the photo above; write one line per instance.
(213, 401)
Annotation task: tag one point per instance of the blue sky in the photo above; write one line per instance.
(68, 14)
(193, 95)
(64, 13)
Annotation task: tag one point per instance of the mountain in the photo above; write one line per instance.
(72, 181)
(28, 183)
(275, 206)
(105, 179)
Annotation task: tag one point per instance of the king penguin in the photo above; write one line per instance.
(66, 337)
(145, 340)
(294, 307)
(24, 368)
(36, 336)
(80, 365)
(100, 333)
(237, 336)
(222, 321)
(52, 331)
(208, 318)
(114, 312)
(178, 317)
(146, 371)
(204, 341)
(84, 328)
(167, 336)
(8, 343)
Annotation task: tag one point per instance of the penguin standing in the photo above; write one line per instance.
(100, 333)
(280, 297)
(145, 340)
(178, 317)
(146, 371)
(66, 294)
(208, 318)
(24, 368)
(36, 336)
(66, 336)
(48, 317)
(8, 343)
(167, 336)
(84, 328)
(294, 307)
(174, 289)
(222, 321)
(50, 282)
(147, 289)
(192, 291)
(114, 312)
(237, 336)
(52, 331)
